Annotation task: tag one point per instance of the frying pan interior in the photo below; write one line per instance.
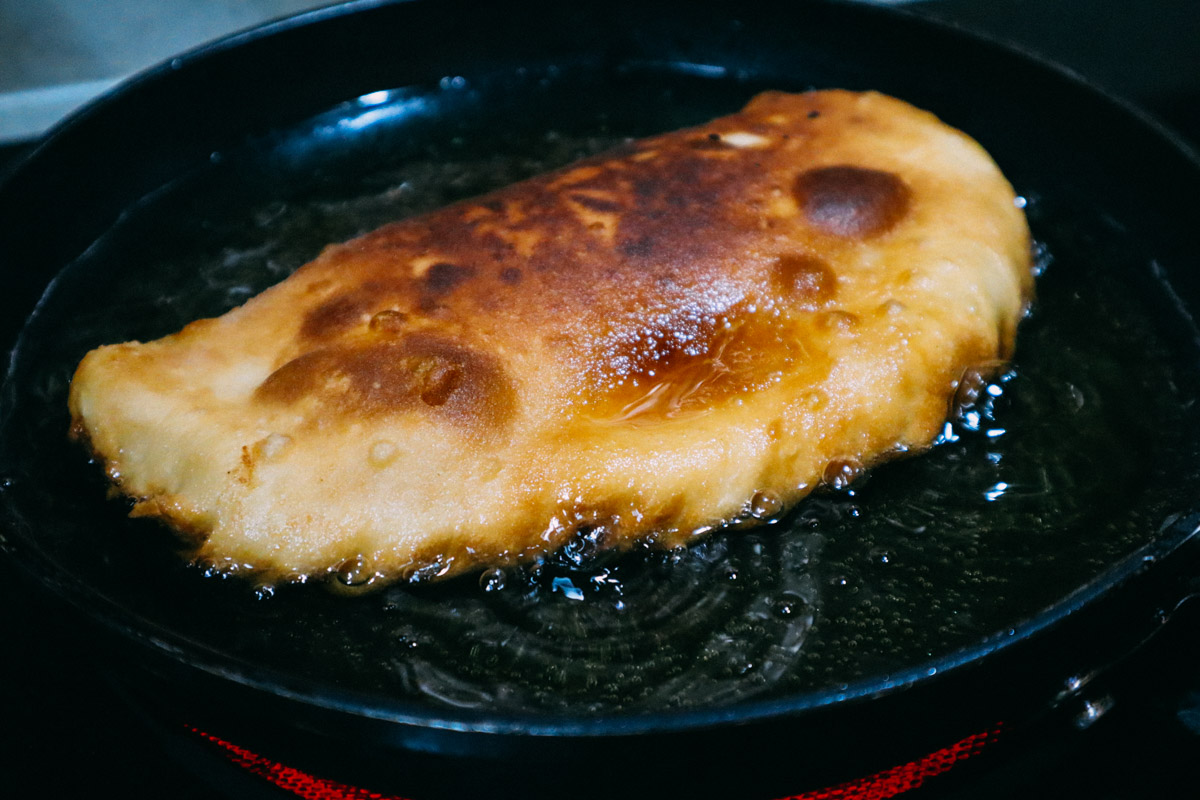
(214, 177)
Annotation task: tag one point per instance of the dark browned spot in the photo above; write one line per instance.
(637, 247)
(437, 379)
(387, 321)
(804, 280)
(441, 278)
(389, 376)
(510, 275)
(597, 203)
(335, 314)
(851, 201)
(711, 142)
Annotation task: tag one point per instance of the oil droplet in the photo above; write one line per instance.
(1094, 710)
(678, 554)
(972, 387)
(1042, 259)
(789, 605)
(841, 472)
(382, 453)
(415, 573)
(492, 580)
(584, 545)
(387, 321)
(765, 505)
(352, 572)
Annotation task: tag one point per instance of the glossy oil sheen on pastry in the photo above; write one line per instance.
(691, 329)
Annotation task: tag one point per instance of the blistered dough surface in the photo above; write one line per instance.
(642, 344)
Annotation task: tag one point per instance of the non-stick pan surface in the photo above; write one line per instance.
(209, 179)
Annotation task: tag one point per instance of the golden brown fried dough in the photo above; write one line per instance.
(647, 343)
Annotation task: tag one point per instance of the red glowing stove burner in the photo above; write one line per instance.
(293, 780)
(905, 777)
(880, 786)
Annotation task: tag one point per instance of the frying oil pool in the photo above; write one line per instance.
(1063, 464)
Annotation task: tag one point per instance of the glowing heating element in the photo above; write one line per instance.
(290, 779)
(906, 777)
(880, 786)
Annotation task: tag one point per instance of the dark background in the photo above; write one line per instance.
(65, 731)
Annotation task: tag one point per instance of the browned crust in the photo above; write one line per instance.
(620, 299)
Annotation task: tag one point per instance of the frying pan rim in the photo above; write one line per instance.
(134, 627)
(289, 687)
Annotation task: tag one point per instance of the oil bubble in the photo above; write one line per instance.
(789, 606)
(387, 321)
(841, 473)
(584, 546)
(492, 580)
(880, 556)
(973, 387)
(353, 572)
(765, 505)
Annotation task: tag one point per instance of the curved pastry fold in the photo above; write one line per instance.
(647, 343)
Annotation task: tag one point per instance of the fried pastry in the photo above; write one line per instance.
(692, 329)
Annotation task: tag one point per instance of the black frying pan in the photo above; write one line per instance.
(1036, 548)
